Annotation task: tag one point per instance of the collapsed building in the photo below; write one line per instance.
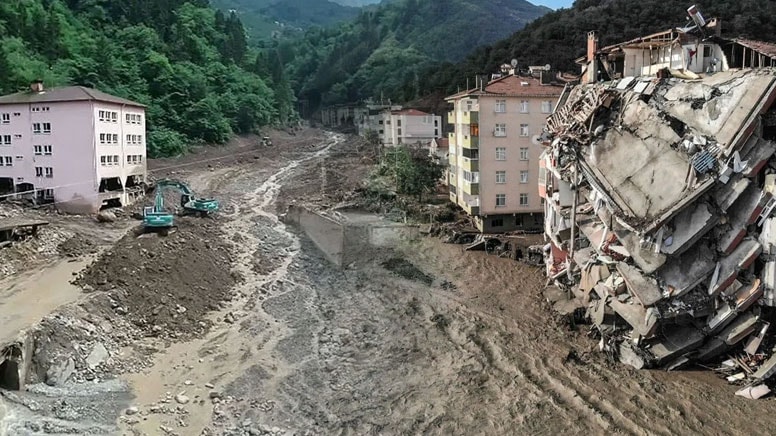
(658, 200)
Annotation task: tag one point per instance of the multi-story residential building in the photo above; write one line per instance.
(82, 148)
(495, 148)
(409, 126)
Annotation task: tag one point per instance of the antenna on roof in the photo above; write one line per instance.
(514, 63)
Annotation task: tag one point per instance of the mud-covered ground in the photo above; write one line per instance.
(424, 339)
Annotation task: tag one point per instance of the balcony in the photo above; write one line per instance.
(471, 117)
(471, 165)
(471, 205)
(451, 117)
(471, 188)
(471, 142)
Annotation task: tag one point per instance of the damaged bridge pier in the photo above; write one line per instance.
(670, 243)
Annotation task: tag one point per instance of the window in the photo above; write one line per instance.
(115, 138)
(399, 131)
(48, 194)
(114, 117)
(523, 199)
(469, 105)
(471, 177)
(129, 139)
(546, 107)
(6, 139)
(501, 200)
(103, 160)
(130, 158)
(47, 150)
(398, 122)
(524, 153)
(49, 172)
(523, 176)
(139, 119)
(524, 130)
(501, 130)
(36, 128)
(140, 139)
(524, 106)
(6, 118)
(101, 115)
(35, 109)
(38, 171)
(38, 150)
(47, 128)
(17, 114)
(707, 51)
(501, 106)
(116, 160)
(497, 222)
(501, 153)
(381, 122)
(6, 161)
(102, 138)
(130, 118)
(501, 177)
(381, 132)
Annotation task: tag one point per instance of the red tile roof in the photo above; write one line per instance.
(412, 112)
(514, 86)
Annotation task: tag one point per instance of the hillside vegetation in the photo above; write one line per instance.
(265, 19)
(190, 65)
(559, 37)
(383, 52)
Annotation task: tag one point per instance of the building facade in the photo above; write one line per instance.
(79, 147)
(495, 148)
(397, 126)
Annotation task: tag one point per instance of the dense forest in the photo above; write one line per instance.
(560, 37)
(385, 50)
(265, 19)
(188, 63)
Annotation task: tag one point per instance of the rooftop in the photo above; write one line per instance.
(514, 86)
(411, 112)
(65, 94)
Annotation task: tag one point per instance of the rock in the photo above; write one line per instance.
(131, 411)
(98, 355)
(106, 216)
(229, 318)
(209, 385)
(181, 399)
(59, 373)
(214, 395)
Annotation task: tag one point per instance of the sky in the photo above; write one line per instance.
(554, 4)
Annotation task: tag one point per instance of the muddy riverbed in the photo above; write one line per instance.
(421, 339)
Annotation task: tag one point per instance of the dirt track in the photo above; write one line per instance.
(302, 347)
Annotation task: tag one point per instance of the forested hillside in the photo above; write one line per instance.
(559, 37)
(384, 51)
(190, 65)
(265, 19)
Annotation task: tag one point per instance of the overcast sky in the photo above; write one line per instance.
(555, 4)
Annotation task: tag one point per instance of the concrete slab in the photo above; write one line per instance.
(689, 270)
(675, 343)
(756, 153)
(741, 258)
(643, 321)
(743, 213)
(645, 289)
(689, 226)
(725, 195)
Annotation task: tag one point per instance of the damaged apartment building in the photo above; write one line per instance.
(660, 183)
(76, 146)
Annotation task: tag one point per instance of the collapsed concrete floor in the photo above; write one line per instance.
(659, 197)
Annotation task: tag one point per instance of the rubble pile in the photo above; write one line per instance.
(658, 216)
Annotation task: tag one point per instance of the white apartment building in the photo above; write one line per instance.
(76, 146)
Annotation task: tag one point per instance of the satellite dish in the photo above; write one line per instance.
(547, 67)
(514, 63)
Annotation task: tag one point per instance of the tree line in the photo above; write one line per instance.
(191, 65)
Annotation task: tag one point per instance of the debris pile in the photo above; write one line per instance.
(659, 194)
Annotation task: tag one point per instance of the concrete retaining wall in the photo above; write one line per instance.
(345, 243)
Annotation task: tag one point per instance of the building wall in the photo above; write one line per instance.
(75, 150)
(512, 215)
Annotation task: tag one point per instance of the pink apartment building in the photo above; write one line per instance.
(79, 147)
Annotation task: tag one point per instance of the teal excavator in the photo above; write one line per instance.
(157, 218)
